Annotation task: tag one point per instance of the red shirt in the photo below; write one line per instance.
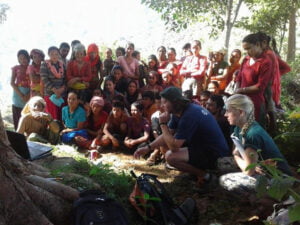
(84, 72)
(96, 125)
(258, 74)
(34, 71)
(196, 65)
(279, 68)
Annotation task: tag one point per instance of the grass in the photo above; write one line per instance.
(114, 184)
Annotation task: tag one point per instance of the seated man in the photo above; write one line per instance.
(192, 135)
(115, 128)
(204, 96)
(215, 105)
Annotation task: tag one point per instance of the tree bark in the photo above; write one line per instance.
(231, 21)
(26, 197)
(292, 35)
(228, 24)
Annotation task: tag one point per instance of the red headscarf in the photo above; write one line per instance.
(92, 48)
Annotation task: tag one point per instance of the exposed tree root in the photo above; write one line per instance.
(54, 187)
(26, 196)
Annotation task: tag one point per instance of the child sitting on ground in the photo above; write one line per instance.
(73, 118)
(115, 128)
(159, 152)
(138, 127)
(94, 124)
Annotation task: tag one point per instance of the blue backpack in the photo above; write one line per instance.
(94, 208)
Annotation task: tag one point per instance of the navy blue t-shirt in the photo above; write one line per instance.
(202, 135)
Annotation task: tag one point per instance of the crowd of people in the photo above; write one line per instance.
(180, 111)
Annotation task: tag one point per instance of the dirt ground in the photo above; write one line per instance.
(214, 206)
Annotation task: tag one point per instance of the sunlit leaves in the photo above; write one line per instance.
(294, 213)
(178, 14)
(279, 188)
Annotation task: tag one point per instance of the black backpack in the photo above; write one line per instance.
(94, 208)
(151, 200)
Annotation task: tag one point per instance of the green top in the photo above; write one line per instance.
(257, 138)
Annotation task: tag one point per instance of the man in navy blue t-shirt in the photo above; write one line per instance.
(192, 135)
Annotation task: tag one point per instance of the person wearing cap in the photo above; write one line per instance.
(33, 72)
(94, 125)
(190, 132)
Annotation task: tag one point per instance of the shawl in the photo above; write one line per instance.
(96, 60)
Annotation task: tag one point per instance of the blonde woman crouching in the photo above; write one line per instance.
(240, 113)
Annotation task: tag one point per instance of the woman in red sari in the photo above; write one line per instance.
(79, 74)
(255, 74)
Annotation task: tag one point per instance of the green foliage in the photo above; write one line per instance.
(288, 123)
(294, 213)
(278, 186)
(269, 16)
(114, 184)
(147, 197)
(179, 14)
(290, 84)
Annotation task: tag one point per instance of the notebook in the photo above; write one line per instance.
(239, 146)
(28, 149)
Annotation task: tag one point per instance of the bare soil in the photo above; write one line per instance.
(214, 206)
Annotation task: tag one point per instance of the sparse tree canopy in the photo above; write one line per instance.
(269, 16)
(3, 9)
(218, 15)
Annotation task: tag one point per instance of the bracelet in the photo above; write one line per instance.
(243, 89)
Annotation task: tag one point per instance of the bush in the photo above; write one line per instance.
(290, 87)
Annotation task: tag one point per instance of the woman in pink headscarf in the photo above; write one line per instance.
(96, 66)
(94, 125)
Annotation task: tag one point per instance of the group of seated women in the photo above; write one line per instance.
(73, 105)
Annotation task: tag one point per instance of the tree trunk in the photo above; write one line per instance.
(230, 21)
(25, 196)
(228, 25)
(292, 35)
